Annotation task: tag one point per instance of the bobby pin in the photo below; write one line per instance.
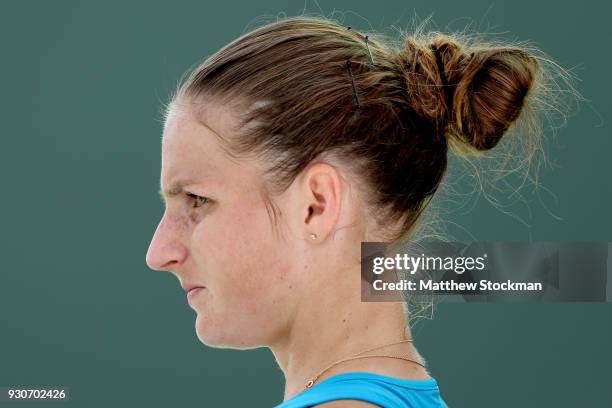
(367, 47)
(350, 72)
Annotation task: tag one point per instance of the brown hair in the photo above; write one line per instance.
(290, 85)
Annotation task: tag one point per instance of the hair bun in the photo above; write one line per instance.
(447, 88)
(484, 90)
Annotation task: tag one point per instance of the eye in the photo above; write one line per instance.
(198, 201)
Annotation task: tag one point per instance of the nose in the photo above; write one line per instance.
(166, 252)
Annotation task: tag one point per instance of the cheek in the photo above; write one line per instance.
(248, 271)
(247, 267)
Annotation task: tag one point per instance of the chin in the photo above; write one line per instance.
(222, 336)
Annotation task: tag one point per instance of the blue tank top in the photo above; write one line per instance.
(384, 391)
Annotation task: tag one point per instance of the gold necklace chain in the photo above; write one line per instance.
(311, 382)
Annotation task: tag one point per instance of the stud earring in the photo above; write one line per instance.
(313, 236)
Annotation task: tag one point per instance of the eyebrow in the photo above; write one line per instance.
(175, 189)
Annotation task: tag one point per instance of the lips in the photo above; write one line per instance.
(193, 293)
(194, 289)
(187, 287)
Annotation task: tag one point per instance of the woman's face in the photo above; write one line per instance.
(225, 244)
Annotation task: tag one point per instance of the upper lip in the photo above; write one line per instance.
(188, 286)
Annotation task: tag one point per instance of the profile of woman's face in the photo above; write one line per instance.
(223, 241)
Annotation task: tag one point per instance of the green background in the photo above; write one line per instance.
(82, 84)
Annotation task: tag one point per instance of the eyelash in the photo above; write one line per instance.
(196, 197)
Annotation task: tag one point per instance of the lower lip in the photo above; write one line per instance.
(193, 293)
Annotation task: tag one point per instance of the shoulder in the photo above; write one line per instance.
(347, 404)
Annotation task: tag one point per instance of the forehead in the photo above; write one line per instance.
(186, 130)
(190, 144)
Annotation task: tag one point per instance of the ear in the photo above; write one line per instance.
(322, 191)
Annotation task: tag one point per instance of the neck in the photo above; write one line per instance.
(333, 324)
